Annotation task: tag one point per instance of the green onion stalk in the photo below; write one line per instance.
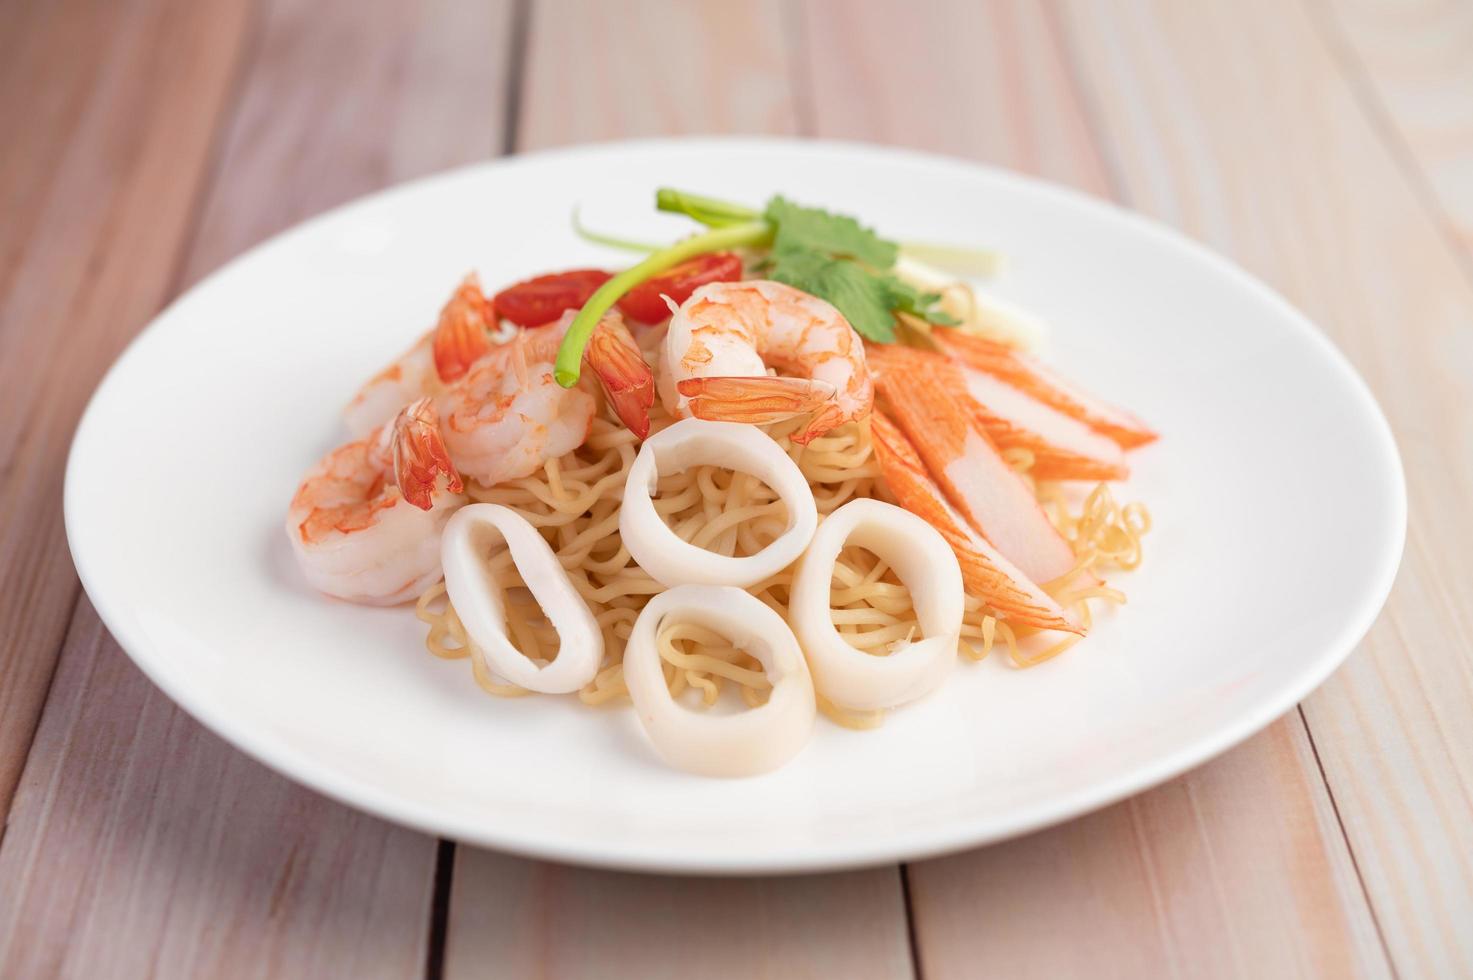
(745, 234)
(734, 226)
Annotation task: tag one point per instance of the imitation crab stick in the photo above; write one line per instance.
(1027, 374)
(1063, 448)
(930, 405)
(987, 574)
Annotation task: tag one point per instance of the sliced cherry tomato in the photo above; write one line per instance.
(643, 303)
(543, 299)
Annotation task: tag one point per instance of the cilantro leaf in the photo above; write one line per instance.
(856, 292)
(905, 298)
(836, 234)
(831, 256)
(835, 257)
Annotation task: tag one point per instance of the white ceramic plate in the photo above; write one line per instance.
(1276, 489)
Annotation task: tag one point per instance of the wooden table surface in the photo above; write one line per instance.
(1327, 145)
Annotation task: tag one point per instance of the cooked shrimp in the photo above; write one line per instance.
(463, 337)
(410, 376)
(722, 340)
(616, 360)
(365, 523)
(444, 354)
(508, 415)
(463, 334)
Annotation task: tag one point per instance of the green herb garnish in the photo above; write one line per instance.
(829, 255)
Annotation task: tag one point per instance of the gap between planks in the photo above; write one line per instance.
(639, 73)
(956, 60)
(516, 67)
(1240, 125)
(1094, 120)
(1307, 727)
(1345, 835)
(305, 884)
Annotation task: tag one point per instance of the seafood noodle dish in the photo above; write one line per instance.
(782, 473)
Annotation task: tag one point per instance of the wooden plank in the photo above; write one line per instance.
(139, 843)
(599, 71)
(525, 918)
(1414, 65)
(1239, 124)
(340, 102)
(1199, 878)
(644, 69)
(142, 845)
(984, 81)
(109, 124)
(994, 83)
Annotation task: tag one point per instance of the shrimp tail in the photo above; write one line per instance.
(831, 416)
(627, 380)
(463, 334)
(420, 457)
(759, 400)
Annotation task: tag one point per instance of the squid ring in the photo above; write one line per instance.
(481, 605)
(745, 744)
(925, 564)
(695, 442)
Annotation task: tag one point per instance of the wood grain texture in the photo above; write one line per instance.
(1238, 124)
(341, 102)
(1141, 887)
(644, 69)
(108, 122)
(522, 918)
(1413, 62)
(985, 81)
(1291, 137)
(139, 843)
(598, 71)
(1195, 879)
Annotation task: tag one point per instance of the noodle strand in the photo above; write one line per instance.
(574, 502)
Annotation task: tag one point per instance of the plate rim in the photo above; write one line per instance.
(811, 857)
